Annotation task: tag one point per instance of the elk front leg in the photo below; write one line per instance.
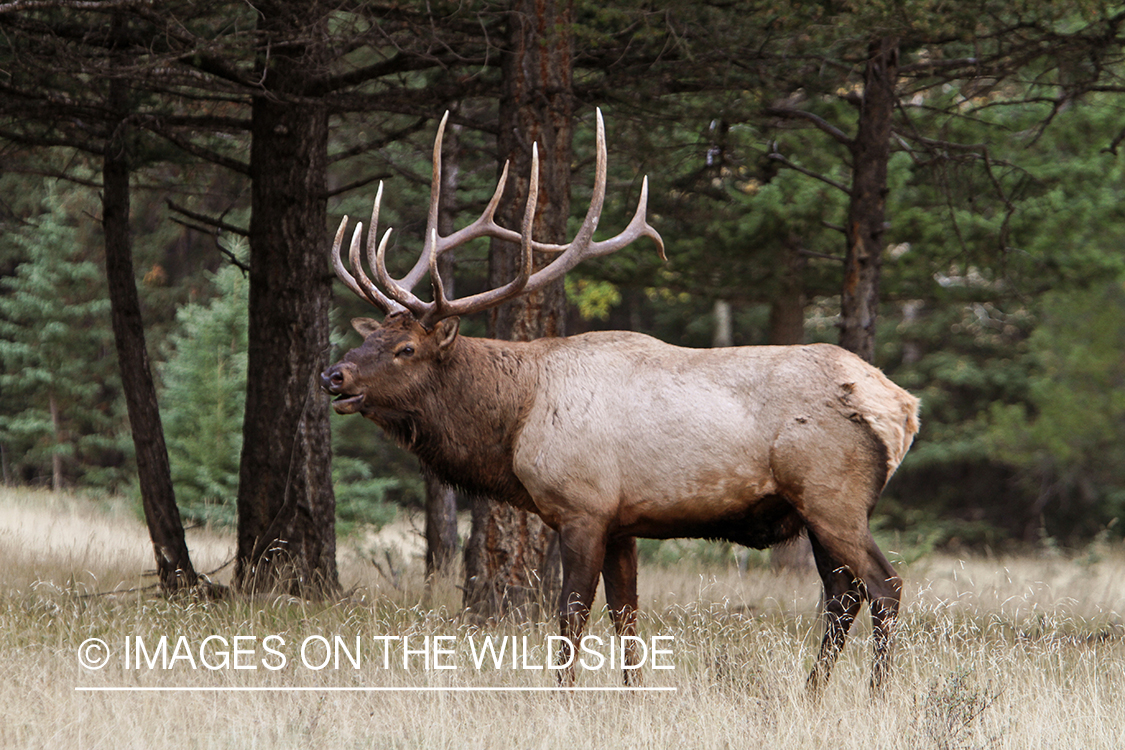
(583, 550)
(619, 571)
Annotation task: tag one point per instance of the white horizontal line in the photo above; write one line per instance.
(374, 689)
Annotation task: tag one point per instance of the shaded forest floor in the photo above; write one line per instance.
(1013, 652)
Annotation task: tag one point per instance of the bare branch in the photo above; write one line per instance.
(929, 66)
(218, 224)
(1112, 147)
(822, 256)
(356, 184)
(820, 123)
(154, 126)
(104, 5)
(391, 137)
(778, 157)
(217, 234)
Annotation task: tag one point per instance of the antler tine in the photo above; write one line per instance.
(428, 313)
(436, 283)
(638, 227)
(338, 263)
(372, 235)
(576, 250)
(373, 226)
(441, 244)
(594, 213)
(528, 223)
(399, 293)
(366, 291)
(581, 247)
(485, 226)
(376, 259)
(444, 308)
(429, 248)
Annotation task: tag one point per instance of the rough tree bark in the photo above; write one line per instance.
(173, 563)
(511, 559)
(441, 526)
(286, 506)
(787, 309)
(871, 151)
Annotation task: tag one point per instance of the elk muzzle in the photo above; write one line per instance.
(339, 381)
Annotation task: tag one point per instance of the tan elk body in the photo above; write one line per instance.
(611, 436)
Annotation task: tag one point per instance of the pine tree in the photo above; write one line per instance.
(62, 412)
(203, 400)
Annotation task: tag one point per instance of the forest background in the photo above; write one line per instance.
(1001, 295)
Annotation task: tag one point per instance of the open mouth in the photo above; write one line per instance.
(347, 404)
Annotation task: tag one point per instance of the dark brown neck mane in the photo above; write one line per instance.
(463, 423)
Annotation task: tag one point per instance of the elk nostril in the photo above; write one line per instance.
(331, 379)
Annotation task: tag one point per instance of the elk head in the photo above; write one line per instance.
(394, 362)
(418, 334)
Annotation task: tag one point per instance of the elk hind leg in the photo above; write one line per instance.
(851, 573)
(835, 491)
(842, 600)
(884, 591)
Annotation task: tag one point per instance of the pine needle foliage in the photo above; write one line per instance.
(61, 412)
(204, 397)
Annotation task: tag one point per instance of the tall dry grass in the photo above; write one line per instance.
(993, 653)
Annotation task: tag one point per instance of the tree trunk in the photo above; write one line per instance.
(511, 559)
(56, 456)
(787, 309)
(871, 152)
(4, 465)
(441, 526)
(724, 324)
(787, 327)
(286, 506)
(173, 563)
(536, 106)
(511, 563)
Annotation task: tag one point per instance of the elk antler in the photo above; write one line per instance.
(399, 297)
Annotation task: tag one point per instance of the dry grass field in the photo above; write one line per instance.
(993, 653)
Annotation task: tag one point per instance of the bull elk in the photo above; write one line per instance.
(609, 436)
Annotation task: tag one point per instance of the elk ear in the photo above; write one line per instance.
(446, 332)
(365, 326)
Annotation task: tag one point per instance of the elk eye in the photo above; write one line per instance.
(406, 351)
